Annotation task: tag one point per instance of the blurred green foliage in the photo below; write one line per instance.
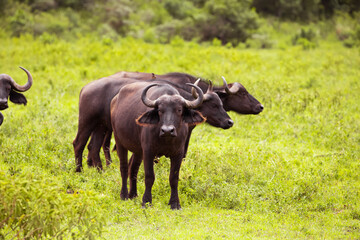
(239, 23)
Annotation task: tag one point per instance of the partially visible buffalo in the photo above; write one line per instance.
(9, 89)
(152, 125)
(94, 115)
(234, 95)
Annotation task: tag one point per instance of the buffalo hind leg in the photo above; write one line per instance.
(90, 146)
(79, 144)
(134, 164)
(106, 147)
(174, 180)
(97, 138)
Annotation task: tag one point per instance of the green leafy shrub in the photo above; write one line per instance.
(306, 38)
(227, 20)
(304, 10)
(33, 207)
(20, 22)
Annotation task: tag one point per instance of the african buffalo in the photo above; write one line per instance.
(95, 120)
(151, 125)
(9, 89)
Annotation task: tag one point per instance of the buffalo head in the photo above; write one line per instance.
(213, 109)
(170, 112)
(9, 89)
(236, 98)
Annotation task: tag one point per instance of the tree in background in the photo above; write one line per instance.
(227, 20)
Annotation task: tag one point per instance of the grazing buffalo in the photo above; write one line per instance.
(151, 125)
(94, 121)
(9, 89)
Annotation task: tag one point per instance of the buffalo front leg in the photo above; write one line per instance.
(174, 180)
(149, 177)
(134, 164)
(187, 141)
(122, 153)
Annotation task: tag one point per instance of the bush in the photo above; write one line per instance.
(33, 207)
(306, 38)
(227, 20)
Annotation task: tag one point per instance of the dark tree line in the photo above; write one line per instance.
(305, 10)
(230, 21)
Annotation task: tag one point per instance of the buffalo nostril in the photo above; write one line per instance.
(261, 107)
(168, 131)
(230, 122)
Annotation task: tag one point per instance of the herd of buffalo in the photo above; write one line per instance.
(151, 115)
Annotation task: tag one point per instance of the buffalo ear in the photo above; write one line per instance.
(149, 117)
(193, 117)
(222, 95)
(17, 98)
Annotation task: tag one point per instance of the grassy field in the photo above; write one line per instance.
(290, 172)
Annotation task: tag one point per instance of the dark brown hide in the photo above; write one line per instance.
(151, 132)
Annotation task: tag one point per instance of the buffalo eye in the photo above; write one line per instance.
(214, 105)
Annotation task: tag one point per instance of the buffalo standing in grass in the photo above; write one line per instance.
(9, 89)
(152, 125)
(94, 115)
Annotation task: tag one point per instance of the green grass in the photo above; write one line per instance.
(290, 172)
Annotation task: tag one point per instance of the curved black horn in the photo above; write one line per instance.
(233, 90)
(197, 102)
(145, 99)
(193, 91)
(25, 87)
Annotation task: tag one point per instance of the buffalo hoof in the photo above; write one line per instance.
(90, 162)
(146, 205)
(108, 162)
(175, 206)
(78, 169)
(133, 195)
(124, 196)
(1, 119)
